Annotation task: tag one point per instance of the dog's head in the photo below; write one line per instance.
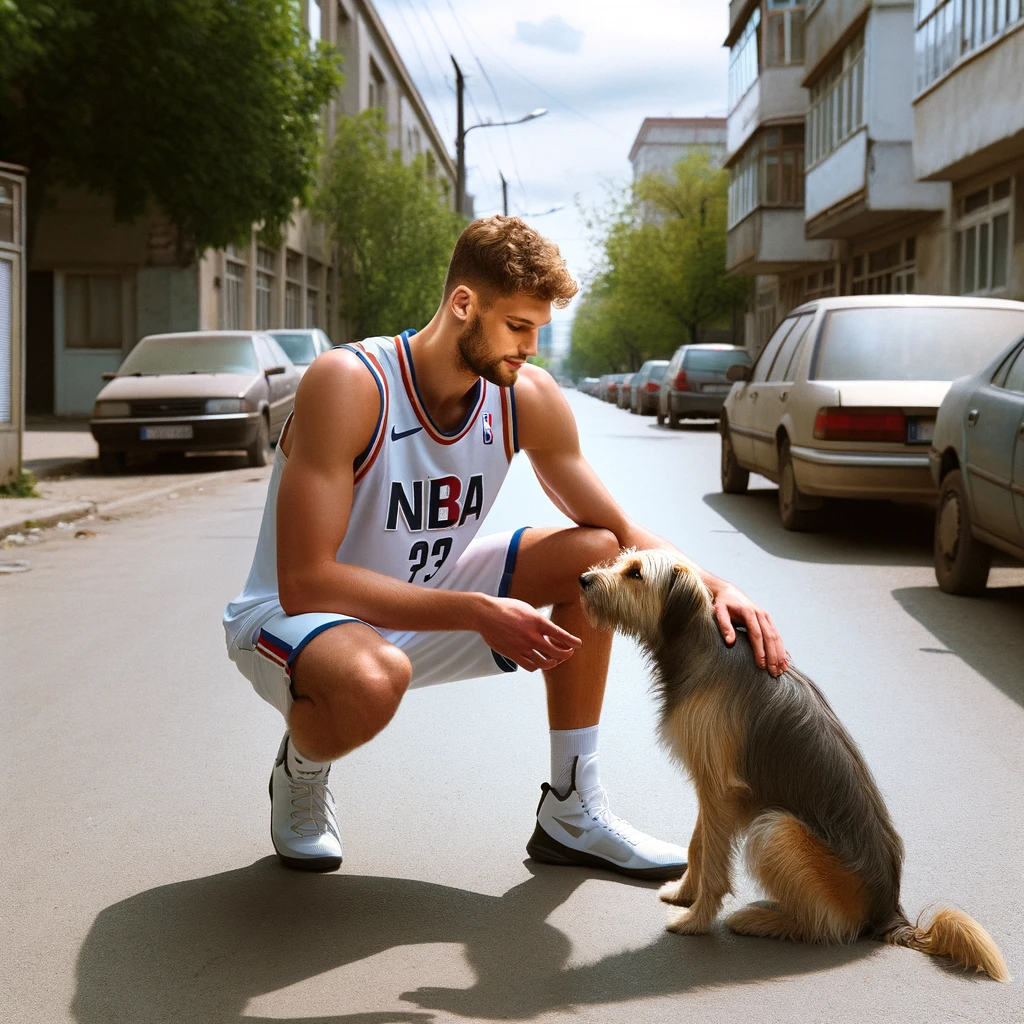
(648, 595)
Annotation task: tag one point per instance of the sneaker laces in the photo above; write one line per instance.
(595, 803)
(313, 811)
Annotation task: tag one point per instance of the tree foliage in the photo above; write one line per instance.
(393, 226)
(661, 277)
(205, 109)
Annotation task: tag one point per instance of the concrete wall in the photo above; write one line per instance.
(770, 240)
(843, 173)
(166, 299)
(889, 72)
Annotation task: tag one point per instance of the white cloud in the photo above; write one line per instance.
(555, 33)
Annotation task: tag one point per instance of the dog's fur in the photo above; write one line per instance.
(769, 760)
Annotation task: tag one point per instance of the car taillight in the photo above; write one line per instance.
(850, 424)
(679, 382)
(652, 386)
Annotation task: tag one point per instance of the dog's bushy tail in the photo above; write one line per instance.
(952, 934)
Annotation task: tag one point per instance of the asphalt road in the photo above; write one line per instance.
(138, 883)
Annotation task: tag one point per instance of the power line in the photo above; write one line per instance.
(419, 54)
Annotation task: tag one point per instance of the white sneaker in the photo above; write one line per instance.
(579, 828)
(303, 820)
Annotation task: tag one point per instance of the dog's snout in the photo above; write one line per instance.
(587, 580)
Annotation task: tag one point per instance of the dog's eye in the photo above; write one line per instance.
(633, 573)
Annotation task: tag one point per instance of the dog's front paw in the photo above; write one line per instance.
(685, 922)
(675, 893)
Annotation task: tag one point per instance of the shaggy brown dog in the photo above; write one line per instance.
(769, 760)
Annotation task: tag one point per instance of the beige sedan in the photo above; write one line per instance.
(842, 400)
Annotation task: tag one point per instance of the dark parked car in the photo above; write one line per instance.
(646, 385)
(695, 385)
(199, 391)
(977, 461)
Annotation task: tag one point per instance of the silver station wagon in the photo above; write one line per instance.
(842, 400)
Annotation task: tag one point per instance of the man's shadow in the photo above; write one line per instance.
(199, 950)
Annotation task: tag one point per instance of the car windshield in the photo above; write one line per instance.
(657, 371)
(912, 342)
(715, 359)
(191, 355)
(298, 345)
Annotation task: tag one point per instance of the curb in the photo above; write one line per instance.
(46, 469)
(103, 510)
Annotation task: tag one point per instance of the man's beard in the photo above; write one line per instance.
(474, 356)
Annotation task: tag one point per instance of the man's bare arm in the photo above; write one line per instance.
(313, 509)
(548, 435)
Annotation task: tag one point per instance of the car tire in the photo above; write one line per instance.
(258, 452)
(791, 498)
(673, 419)
(659, 414)
(735, 479)
(112, 462)
(962, 562)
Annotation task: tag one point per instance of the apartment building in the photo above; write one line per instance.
(96, 286)
(662, 142)
(765, 144)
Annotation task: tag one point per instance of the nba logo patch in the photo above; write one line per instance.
(488, 428)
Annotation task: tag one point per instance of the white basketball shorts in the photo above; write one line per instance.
(270, 641)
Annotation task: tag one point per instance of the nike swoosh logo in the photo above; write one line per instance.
(574, 830)
(396, 436)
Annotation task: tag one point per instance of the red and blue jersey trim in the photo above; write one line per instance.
(274, 649)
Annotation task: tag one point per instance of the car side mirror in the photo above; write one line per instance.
(737, 372)
(273, 371)
(108, 375)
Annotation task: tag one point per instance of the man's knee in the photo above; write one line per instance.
(598, 545)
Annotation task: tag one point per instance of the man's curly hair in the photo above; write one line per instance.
(501, 256)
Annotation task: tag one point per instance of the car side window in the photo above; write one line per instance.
(1015, 373)
(767, 357)
(277, 354)
(786, 359)
(263, 352)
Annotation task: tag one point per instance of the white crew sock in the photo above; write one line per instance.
(566, 746)
(302, 769)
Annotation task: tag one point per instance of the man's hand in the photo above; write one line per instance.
(731, 604)
(521, 633)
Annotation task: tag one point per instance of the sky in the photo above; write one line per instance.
(598, 67)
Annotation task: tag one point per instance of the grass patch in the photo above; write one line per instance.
(21, 486)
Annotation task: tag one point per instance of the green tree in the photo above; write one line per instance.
(393, 226)
(205, 109)
(661, 277)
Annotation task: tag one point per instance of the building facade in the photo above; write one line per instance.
(663, 141)
(96, 286)
(12, 317)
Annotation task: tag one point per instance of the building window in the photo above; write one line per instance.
(766, 316)
(948, 30)
(264, 288)
(232, 292)
(784, 34)
(769, 173)
(983, 239)
(743, 64)
(292, 289)
(314, 282)
(820, 285)
(836, 102)
(92, 311)
(889, 270)
(377, 90)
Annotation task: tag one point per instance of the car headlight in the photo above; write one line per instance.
(216, 406)
(111, 409)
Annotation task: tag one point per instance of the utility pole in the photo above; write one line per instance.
(504, 194)
(460, 142)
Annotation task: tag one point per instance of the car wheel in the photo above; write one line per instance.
(735, 479)
(962, 562)
(793, 503)
(673, 418)
(112, 462)
(259, 451)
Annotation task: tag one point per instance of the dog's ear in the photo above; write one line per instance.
(685, 599)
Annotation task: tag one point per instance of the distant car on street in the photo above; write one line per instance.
(302, 346)
(588, 385)
(977, 462)
(608, 388)
(624, 395)
(196, 391)
(694, 385)
(646, 385)
(842, 401)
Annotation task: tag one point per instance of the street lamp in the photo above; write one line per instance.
(462, 131)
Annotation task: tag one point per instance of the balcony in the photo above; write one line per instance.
(828, 25)
(775, 98)
(866, 184)
(970, 120)
(772, 241)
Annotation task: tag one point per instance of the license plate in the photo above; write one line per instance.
(920, 431)
(169, 433)
(717, 389)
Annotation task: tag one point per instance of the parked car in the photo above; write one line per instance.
(842, 400)
(198, 391)
(624, 395)
(588, 385)
(694, 385)
(608, 388)
(646, 385)
(977, 462)
(302, 346)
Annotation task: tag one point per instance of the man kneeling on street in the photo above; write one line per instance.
(369, 577)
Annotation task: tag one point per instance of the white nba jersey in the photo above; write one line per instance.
(420, 493)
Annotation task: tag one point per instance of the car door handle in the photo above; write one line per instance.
(972, 417)
(753, 396)
(783, 395)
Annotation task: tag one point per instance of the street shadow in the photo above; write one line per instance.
(987, 633)
(852, 533)
(199, 950)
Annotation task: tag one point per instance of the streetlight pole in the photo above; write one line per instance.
(504, 194)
